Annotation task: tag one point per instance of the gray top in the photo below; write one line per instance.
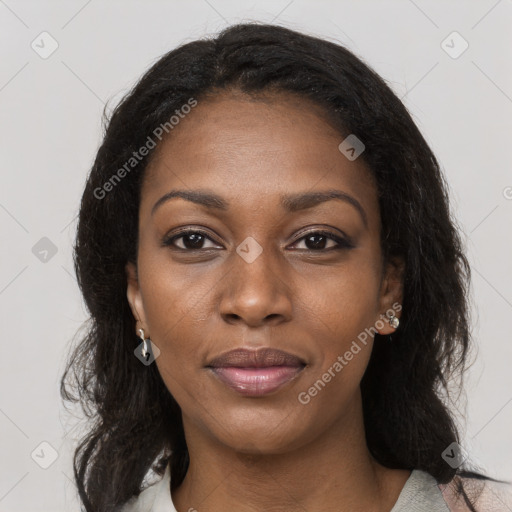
(419, 494)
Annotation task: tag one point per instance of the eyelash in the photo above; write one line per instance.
(342, 243)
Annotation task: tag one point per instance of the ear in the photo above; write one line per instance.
(134, 296)
(391, 294)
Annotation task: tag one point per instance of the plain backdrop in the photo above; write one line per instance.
(50, 111)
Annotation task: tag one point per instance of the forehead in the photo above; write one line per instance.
(256, 149)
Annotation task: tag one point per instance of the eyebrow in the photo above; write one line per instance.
(291, 202)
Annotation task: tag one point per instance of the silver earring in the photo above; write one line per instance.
(144, 350)
(393, 321)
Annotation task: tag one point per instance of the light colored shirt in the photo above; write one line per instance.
(421, 493)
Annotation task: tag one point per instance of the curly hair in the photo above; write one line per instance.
(407, 419)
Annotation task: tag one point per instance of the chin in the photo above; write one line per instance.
(253, 437)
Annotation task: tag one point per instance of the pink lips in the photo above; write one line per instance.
(256, 373)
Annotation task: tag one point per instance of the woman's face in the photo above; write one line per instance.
(254, 274)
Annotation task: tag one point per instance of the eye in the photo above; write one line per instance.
(191, 240)
(316, 241)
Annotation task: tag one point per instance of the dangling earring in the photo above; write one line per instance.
(144, 350)
(393, 320)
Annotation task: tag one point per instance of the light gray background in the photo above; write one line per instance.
(50, 130)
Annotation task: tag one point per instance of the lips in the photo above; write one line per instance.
(256, 373)
(262, 358)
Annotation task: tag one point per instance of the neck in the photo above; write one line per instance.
(333, 473)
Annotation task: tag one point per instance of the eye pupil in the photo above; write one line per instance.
(196, 240)
(316, 244)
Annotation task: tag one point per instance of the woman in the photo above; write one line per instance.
(277, 290)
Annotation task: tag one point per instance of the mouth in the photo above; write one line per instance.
(256, 373)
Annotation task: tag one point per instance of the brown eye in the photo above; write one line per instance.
(191, 240)
(315, 241)
(318, 240)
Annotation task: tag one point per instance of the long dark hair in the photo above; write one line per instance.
(405, 388)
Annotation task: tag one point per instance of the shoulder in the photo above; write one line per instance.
(422, 493)
(484, 495)
(143, 502)
(154, 498)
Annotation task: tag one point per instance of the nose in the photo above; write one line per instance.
(256, 293)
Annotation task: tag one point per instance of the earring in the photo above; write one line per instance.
(144, 350)
(393, 320)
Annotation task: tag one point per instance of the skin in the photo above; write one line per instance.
(269, 453)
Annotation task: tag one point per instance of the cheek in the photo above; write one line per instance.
(173, 295)
(345, 300)
(344, 342)
(176, 314)
(340, 314)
